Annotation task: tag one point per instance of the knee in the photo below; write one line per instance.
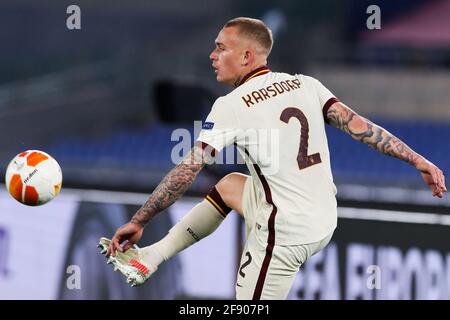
(228, 184)
(231, 187)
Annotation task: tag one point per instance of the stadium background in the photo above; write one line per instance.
(106, 99)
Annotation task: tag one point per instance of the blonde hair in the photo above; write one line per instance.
(253, 29)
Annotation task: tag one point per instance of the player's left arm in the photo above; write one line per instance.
(362, 129)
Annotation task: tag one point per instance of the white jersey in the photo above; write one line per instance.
(276, 120)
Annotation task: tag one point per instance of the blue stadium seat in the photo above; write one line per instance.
(150, 148)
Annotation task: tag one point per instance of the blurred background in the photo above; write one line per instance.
(105, 101)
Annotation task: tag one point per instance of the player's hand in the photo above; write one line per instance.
(129, 231)
(433, 177)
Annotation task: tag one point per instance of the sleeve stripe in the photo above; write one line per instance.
(327, 106)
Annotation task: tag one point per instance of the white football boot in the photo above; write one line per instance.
(129, 263)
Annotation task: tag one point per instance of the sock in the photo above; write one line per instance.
(151, 257)
(199, 222)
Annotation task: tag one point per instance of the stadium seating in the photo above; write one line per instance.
(148, 149)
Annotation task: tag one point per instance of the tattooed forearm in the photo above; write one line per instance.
(369, 133)
(173, 186)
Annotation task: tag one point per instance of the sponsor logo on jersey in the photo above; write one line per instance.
(208, 125)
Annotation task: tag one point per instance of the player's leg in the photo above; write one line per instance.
(231, 190)
(205, 217)
(252, 258)
(265, 273)
(268, 273)
(251, 262)
(199, 222)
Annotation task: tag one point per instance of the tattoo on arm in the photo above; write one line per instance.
(174, 184)
(369, 133)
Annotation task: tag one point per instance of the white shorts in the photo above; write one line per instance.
(251, 200)
(264, 272)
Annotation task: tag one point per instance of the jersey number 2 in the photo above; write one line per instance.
(303, 159)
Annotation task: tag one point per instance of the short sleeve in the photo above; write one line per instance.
(220, 128)
(326, 98)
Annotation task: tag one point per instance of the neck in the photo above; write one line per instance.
(247, 71)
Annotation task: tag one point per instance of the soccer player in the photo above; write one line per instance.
(277, 122)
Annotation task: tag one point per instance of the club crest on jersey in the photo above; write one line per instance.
(208, 125)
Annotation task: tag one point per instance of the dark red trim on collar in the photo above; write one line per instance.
(257, 72)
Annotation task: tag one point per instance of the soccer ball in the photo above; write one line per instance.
(33, 178)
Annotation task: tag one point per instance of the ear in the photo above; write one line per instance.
(248, 57)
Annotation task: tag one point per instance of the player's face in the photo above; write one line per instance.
(227, 56)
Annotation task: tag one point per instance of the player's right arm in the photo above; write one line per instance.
(169, 190)
(218, 131)
(362, 129)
